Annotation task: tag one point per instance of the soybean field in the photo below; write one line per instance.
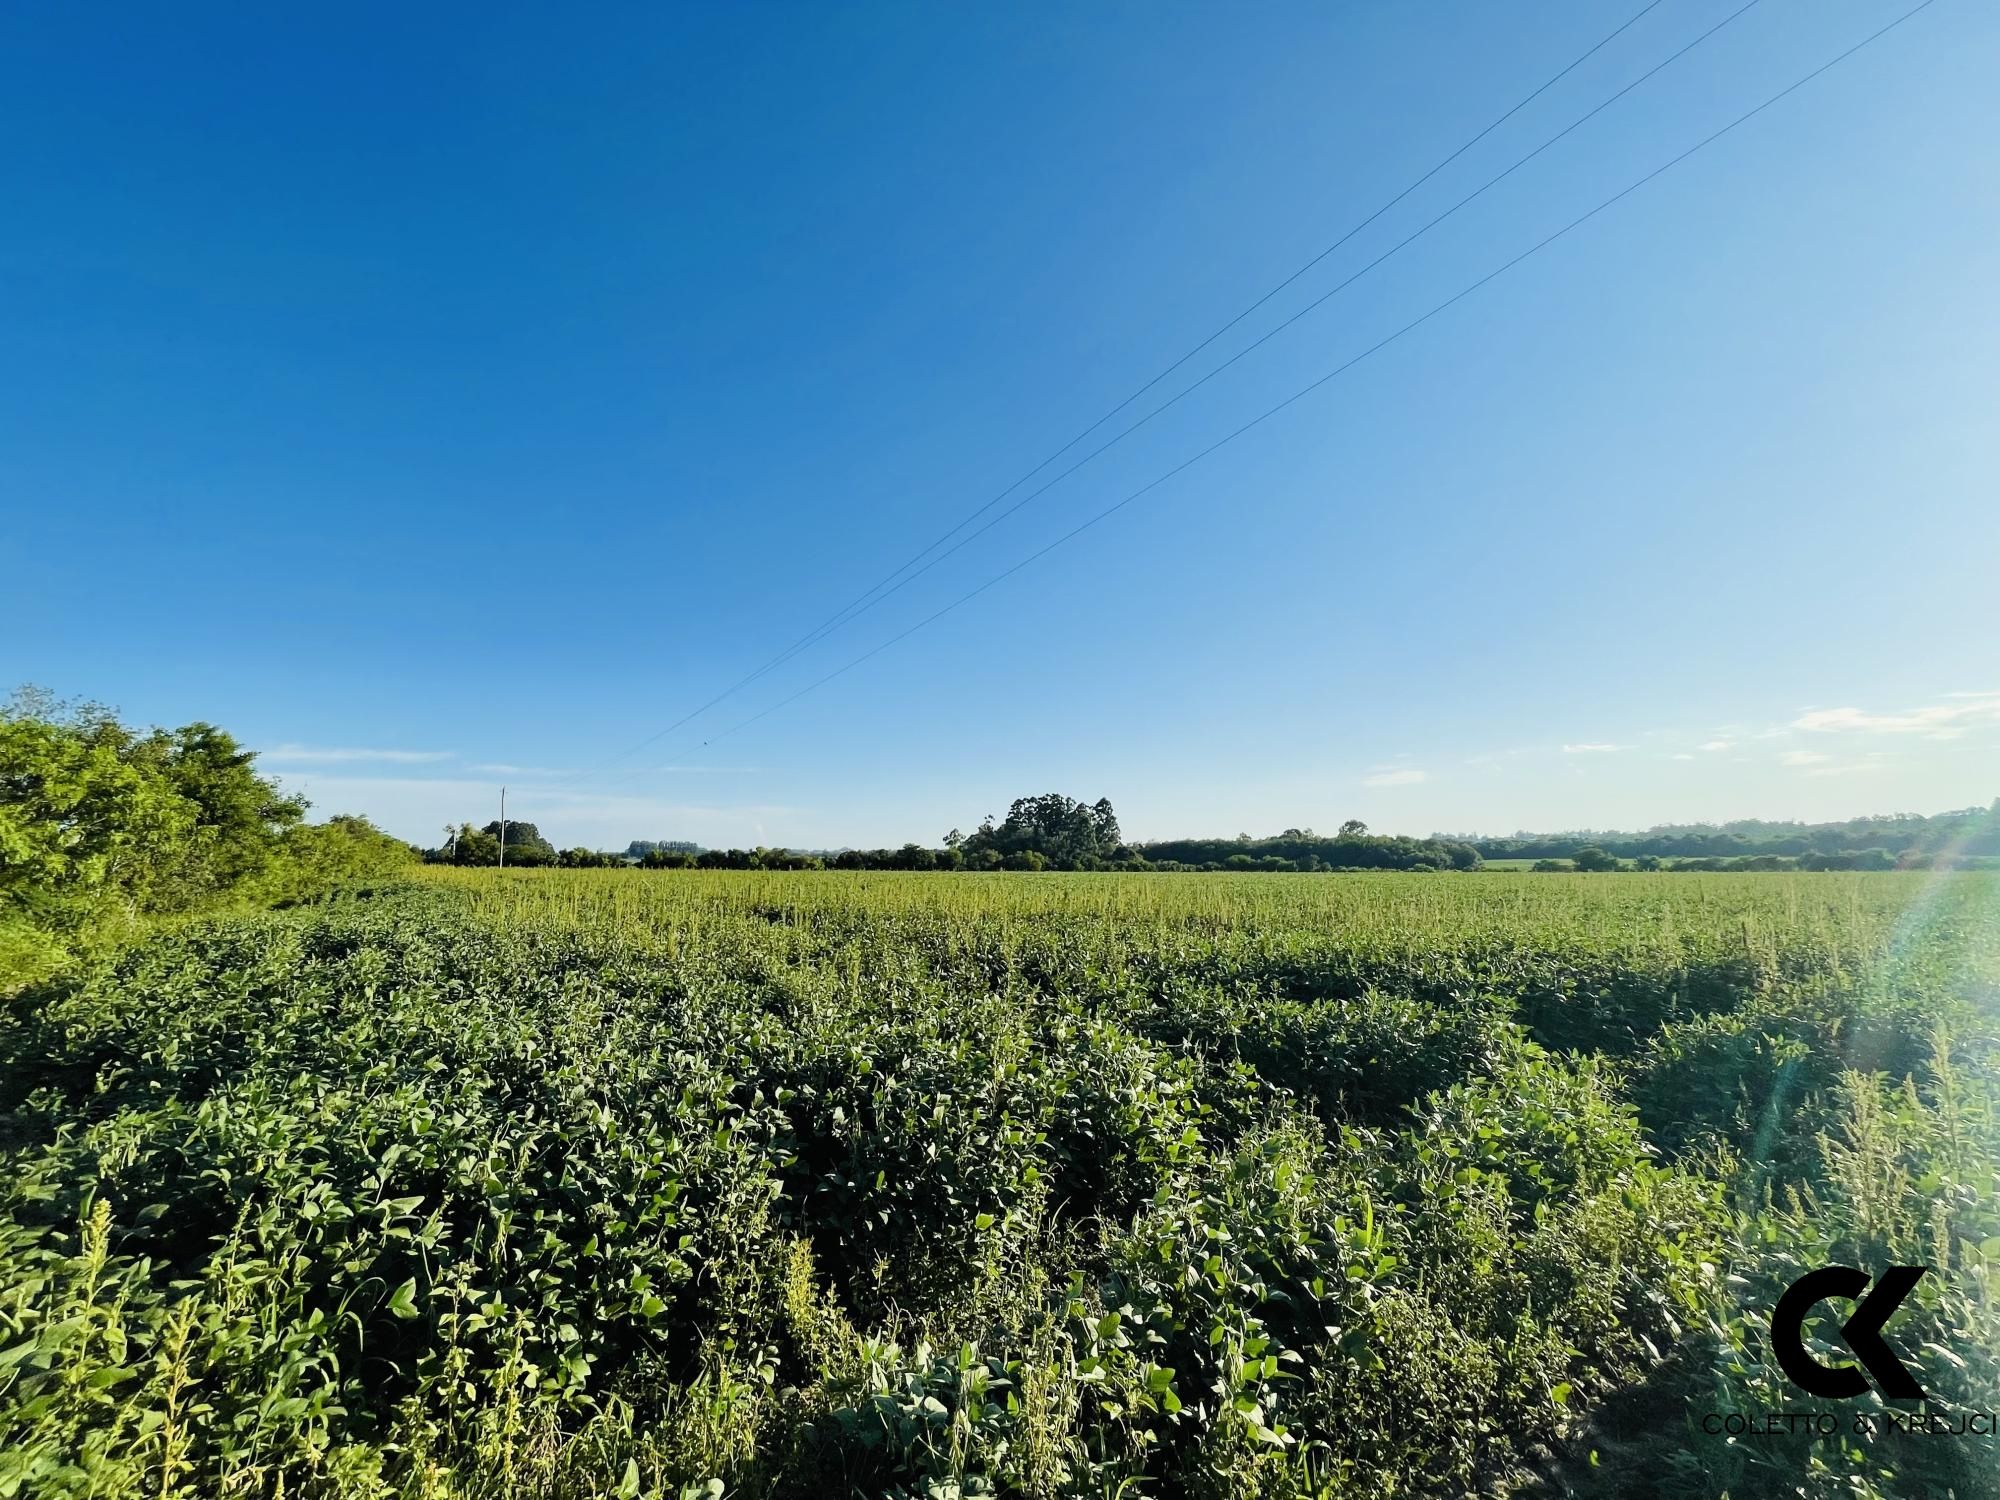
(625, 1183)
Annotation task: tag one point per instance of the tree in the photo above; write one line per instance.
(315, 856)
(524, 842)
(237, 813)
(640, 848)
(100, 825)
(1594, 860)
(1354, 828)
(475, 846)
(1066, 833)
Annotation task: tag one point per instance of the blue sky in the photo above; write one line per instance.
(426, 391)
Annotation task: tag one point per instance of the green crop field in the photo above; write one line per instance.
(623, 1183)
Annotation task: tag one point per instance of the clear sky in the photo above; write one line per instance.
(438, 396)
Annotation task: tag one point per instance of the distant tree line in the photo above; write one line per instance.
(1049, 832)
(638, 849)
(1968, 836)
(466, 845)
(1353, 847)
(1591, 859)
(1054, 832)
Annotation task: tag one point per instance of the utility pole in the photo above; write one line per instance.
(503, 828)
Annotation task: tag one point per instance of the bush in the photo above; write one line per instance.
(102, 826)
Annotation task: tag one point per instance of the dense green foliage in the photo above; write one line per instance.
(101, 825)
(799, 1184)
(1068, 834)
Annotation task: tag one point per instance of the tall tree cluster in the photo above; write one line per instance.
(1066, 833)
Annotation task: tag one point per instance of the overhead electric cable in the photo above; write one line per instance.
(1255, 344)
(846, 612)
(1338, 370)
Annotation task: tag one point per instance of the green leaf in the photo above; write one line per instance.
(403, 1301)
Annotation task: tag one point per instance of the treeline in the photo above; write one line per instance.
(1054, 832)
(102, 825)
(1881, 842)
(1352, 848)
(1049, 832)
(1591, 859)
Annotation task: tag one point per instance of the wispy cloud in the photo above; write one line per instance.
(1714, 747)
(1803, 758)
(1850, 768)
(1395, 776)
(299, 755)
(1941, 721)
(1593, 749)
(1681, 755)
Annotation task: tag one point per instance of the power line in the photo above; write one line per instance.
(1338, 370)
(867, 600)
(1272, 333)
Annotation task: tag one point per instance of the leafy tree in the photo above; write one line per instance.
(474, 846)
(1067, 834)
(315, 856)
(1594, 860)
(525, 843)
